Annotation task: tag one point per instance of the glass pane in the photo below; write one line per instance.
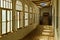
(26, 22)
(18, 15)
(11, 5)
(11, 25)
(26, 15)
(17, 19)
(8, 15)
(4, 3)
(3, 27)
(18, 24)
(1, 3)
(8, 26)
(7, 4)
(26, 8)
(21, 23)
(11, 20)
(11, 15)
(30, 18)
(21, 19)
(3, 15)
(18, 5)
(30, 9)
(30, 15)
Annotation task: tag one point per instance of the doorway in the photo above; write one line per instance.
(46, 19)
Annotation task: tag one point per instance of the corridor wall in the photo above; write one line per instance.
(21, 22)
(58, 29)
(55, 18)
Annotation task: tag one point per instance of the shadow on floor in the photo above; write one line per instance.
(43, 32)
(35, 33)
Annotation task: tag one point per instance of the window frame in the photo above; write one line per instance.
(20, 12)
(7, 9)
(26, 11)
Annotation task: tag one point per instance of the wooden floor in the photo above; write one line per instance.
(41, 33)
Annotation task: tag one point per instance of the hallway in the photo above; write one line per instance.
(41, 33)
(29, 19)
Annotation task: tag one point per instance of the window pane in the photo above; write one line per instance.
(21, 23)
(4, 3)
(30, 9)
(18, 24)
(26, 19)
(26, 8)
(1, 3)
(11, 20)
(30, 15)
(8, 26)
(11, 5)
(3, 21)
(26, 15)
(30, 18)
(21, 19)
(8, 15)
(11, 15)
(18, 5)
(3, 15)
(7, 4)
(26, 22)
(3, 27)
(18, 18)
(11, 25)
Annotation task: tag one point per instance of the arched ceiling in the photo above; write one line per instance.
(42, 3)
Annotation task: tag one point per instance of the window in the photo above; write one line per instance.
(3, 21)
(21, 19)
(34, 15)
(6, 15)
(9, 21)
(17, 19)
(26, 8)
(26, 19)
(30, 9)
(1, 3)
(18, 14)
(6, 21)
(31, 18)
(30, 15)
(26, 15)
(18, 5)
(6, 4)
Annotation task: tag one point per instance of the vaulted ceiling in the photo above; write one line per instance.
(38, 2)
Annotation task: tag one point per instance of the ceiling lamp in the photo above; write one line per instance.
(43, 4)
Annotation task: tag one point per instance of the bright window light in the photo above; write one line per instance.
(43, 4)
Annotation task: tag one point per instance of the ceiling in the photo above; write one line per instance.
(39, 3)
